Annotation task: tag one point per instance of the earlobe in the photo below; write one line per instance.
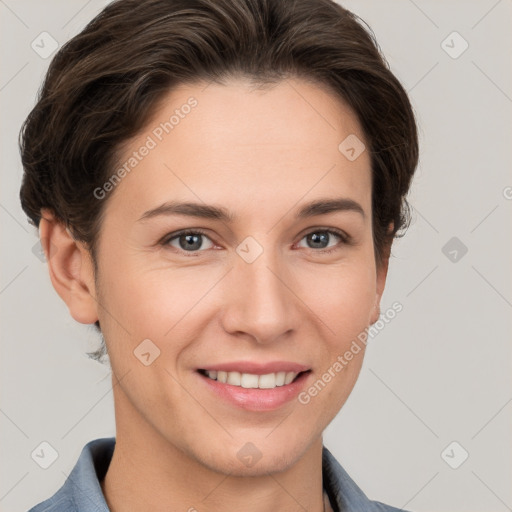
(70, 267)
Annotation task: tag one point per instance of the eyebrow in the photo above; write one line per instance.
(205, 211)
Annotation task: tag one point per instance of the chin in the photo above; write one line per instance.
(247, 459)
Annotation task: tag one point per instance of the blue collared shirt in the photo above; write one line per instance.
(81, 492)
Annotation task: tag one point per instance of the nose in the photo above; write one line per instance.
(259, 300)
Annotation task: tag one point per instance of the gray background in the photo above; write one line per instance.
(438, 373)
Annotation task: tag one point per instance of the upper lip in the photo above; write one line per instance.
(257, 368)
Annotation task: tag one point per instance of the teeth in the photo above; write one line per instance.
(267, 381)
(289, 377)
(250, 380)
(234, 378)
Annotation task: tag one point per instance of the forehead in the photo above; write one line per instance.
(234, 143)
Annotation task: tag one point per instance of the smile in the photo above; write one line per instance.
(251, 380)
(254, 385)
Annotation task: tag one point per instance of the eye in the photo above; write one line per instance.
(188, 240)
(319, 238)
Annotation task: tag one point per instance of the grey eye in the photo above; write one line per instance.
(319, 239)
(190, 241)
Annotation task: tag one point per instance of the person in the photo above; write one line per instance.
(217, 185)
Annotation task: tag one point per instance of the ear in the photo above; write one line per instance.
(381, 274)
(70, 267)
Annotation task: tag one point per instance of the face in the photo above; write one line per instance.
(271, 286)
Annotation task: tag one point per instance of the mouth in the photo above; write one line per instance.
(254, 385)
(252, 380)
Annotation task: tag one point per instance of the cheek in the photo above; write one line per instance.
(343, 298)
(157, 304)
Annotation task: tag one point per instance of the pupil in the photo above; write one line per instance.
(190, 241)
(315, 238)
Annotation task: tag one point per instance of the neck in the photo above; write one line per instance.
(155, 475)
(166, 483)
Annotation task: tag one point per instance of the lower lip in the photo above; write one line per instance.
(255, 399)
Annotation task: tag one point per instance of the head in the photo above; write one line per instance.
(254, 110)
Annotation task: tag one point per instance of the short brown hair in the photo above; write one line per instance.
(104, 84)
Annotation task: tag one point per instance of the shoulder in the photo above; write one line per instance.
(82, 490)
(55, 504)
(381, 507)
(345, 495)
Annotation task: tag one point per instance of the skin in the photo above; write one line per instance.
(261, 154)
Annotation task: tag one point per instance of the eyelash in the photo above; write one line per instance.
(345, 239)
